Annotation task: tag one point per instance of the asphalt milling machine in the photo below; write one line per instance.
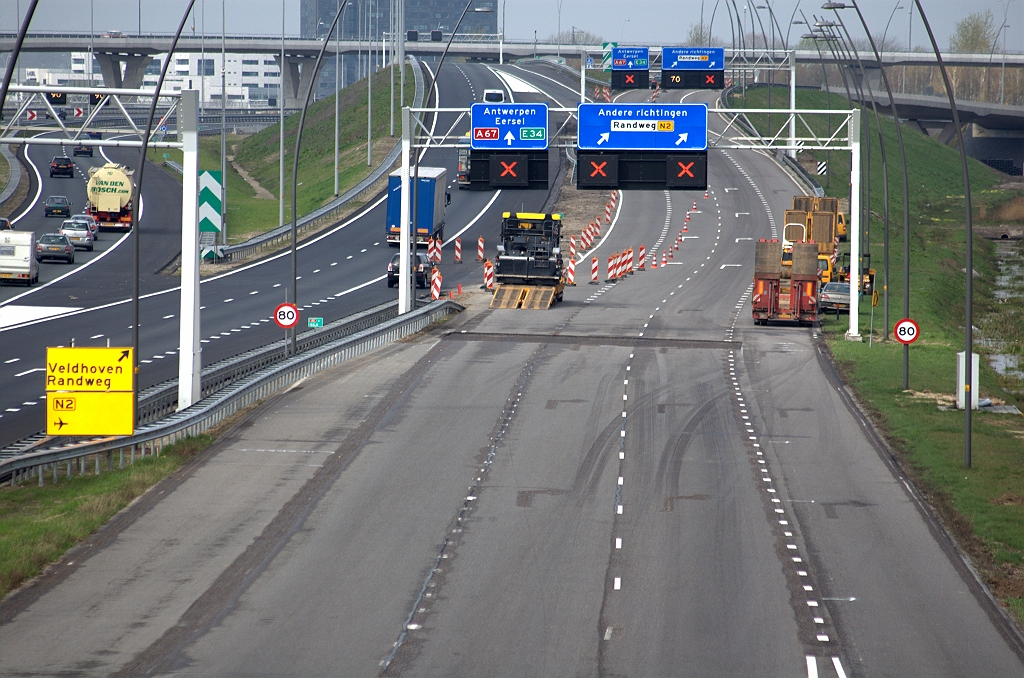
(528, 270)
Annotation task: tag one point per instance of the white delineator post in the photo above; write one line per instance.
(404, 269)
(583, 76)
(854, 226)
(190, 362)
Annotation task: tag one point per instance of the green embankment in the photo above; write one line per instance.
(983, 506)
(38, 524)
(258, 154)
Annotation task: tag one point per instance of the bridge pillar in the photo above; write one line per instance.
(296, 76)
(134, 71)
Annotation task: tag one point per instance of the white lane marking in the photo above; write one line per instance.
(617, 584)
(254, 292)
(724, 266)
(540, 75)
(839, 667)
(742, 214)
(738, 239)
(812, 666)
(35, 369)
(227, 301)
(14, 360)
(515, 84)
(618, 542)
(474, 219)
(608, 633)
(39, 185)
(166, 317)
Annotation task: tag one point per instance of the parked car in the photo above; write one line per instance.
(57, 206)
(55, 246)
(423, 267)
(90, 221)
(79, 233)
(61, 166)
(834, 297)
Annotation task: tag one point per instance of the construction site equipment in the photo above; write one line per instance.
(528, 267)
(788, 293)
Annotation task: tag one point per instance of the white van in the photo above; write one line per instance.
(494, 96)
(18, 257)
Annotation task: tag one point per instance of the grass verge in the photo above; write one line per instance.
(258, 154)
(38, 524)
(983, 507)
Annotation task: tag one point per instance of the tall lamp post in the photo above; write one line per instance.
(407, 237)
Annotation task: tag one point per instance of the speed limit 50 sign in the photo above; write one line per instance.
(286, 316)
(906, 331)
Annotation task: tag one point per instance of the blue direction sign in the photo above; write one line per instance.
(631, 59)
(692, 58)
(509, 127)
(643, 127)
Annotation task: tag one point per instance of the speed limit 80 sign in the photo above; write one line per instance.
(906, 331)
(286, 316)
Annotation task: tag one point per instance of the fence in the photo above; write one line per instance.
(211, 410)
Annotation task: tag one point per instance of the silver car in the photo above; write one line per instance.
(834, 297)
(94, 225)
(78, 233)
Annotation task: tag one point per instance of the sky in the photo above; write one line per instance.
(650, 22)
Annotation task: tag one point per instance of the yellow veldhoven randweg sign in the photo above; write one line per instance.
(88, 413)
(89, 391)
(89, 369)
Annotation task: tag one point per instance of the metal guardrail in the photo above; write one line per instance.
(217, 407)
(260, 243)
(160, 400)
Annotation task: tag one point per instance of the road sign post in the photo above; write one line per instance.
(89, 391)
(190, 363)
(906, 331)
(643, 127)
(692, 68)
(286, 316)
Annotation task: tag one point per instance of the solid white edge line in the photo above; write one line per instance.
(475, 219)
(812, 666)
(68, 274)
(506, 85)
(39, 185)
(611, 227)
(202, 282)
(839, 667)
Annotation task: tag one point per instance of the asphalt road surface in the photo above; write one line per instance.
(638, 482)
(342, 270)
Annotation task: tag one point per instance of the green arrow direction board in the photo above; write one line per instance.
(209, 201)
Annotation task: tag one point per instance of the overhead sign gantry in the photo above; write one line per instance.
(692, 68)
(631, 67)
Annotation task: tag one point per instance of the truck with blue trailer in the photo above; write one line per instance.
(432, 198)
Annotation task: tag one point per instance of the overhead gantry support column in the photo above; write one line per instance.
(190, 363)
(853, 227)
(296, 74)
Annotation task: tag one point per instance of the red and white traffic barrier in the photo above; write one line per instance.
(572, 248)
(435, 284)
(488, 274)
(593, 271)
(611, 268)
(620, 264)
(597, 228)
(629, 261)
(642, 258)
(586, 238)
(458, 250)
(608, 213)
(480, 249)
(437, 250)
(570, 273)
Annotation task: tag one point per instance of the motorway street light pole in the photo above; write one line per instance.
(295, 164)
(906, 194)
(223, 126)
(337, 96)
(969, 268)
(835, 7)
(407, 242)
(280, 150)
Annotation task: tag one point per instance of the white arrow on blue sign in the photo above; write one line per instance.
(630, 58)
(692, 58)
(643, 127)
(509, 126)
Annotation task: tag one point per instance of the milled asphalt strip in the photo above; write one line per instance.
(221, 598)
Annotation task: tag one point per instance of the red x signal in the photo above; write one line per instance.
(685, 169)
(709, 79)
(598, 169)
(630, 80)
(506, 168)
